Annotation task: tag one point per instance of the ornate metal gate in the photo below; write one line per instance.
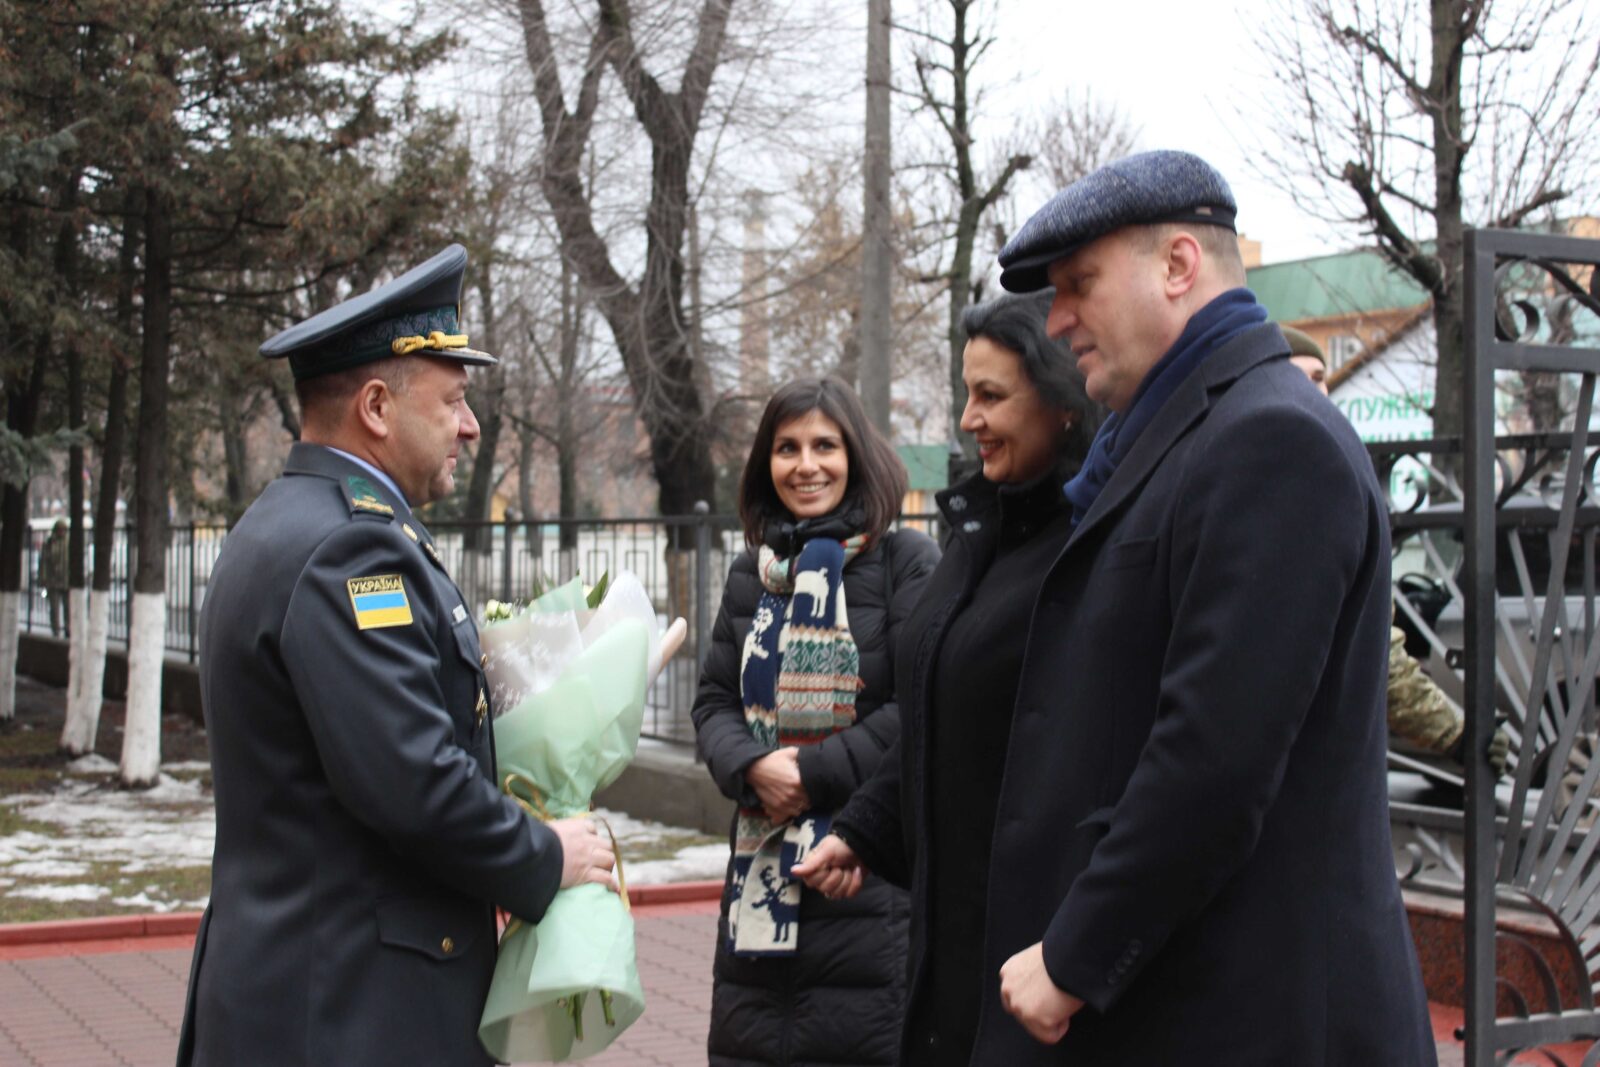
(1531, 649)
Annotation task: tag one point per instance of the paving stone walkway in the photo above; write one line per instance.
(120, 1004)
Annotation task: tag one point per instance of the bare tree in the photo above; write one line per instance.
(646, 317)
(877, 267)
(1077, 135)
(1415, 124)
(945, 55)
(568, 367)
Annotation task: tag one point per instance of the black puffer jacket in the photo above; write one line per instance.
(840, 998)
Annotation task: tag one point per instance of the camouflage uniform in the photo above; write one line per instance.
(1418, 711)
(54, 565)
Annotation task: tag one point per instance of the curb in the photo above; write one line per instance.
(185, 923)
(108, 928)
(645, 896)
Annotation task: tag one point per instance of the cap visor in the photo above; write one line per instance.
(460, 355)
(1032, 273)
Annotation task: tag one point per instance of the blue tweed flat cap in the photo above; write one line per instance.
(1140, 190)
(418, 313)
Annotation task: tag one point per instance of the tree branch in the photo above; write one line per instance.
(1397, 243)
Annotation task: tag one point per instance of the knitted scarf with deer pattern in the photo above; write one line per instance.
(798, 677)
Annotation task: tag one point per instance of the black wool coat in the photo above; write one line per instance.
(1194, 815)
(840, 998)
(889, 821)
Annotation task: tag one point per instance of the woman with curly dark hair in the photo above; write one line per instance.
(926, 819)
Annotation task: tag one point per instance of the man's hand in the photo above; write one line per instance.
(776, 779)
(832, 868)
(1499, 751)
(585, 855)
(1027, 992)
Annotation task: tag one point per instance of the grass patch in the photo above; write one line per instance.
(179, 885)
(30, 762)
(14, 822)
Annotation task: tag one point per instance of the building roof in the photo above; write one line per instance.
(1345, 283)
(927, 465)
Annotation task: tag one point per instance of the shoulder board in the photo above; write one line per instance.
(364, 499)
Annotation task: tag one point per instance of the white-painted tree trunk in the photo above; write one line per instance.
(141, 738)
(10, 605)
(91, 618)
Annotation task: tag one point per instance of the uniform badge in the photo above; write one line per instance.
(460, 614)
(379, 601)
(409, 532)
(363, 497)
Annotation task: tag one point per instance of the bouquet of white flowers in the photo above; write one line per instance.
(568, 675)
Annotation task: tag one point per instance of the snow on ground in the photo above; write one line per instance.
(654, 853)
(144, 902)
(187, 766)
(61, 892)
(696, 863)
(92, 822)
(93, 763)
(171, 826)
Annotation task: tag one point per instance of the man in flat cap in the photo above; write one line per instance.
(1191, 858)
(1209, 878)
(362, 844)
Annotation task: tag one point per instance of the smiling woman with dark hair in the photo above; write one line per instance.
(927, 818)
(796, 708)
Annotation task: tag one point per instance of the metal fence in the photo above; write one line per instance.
(1496, 587)
(681, 560)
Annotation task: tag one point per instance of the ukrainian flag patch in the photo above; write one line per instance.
(379, 601)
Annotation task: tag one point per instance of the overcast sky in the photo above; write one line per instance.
(1178, 70)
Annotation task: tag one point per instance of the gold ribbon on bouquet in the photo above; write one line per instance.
(520, 788)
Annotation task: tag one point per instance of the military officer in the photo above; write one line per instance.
(362, 844)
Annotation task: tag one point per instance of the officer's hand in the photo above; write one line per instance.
(776, 779)
(585, 855)
(832, 868)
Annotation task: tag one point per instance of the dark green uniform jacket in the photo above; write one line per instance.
(360, 838)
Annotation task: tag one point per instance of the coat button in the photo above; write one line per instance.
(483, 660)
(447, 946)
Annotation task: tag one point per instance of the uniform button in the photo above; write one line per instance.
(447, 946)
(483, 660)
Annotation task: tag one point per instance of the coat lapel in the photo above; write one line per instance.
(1182, 411)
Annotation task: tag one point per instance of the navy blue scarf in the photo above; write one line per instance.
(1208, 330)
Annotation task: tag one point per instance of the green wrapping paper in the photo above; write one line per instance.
(566, 987)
